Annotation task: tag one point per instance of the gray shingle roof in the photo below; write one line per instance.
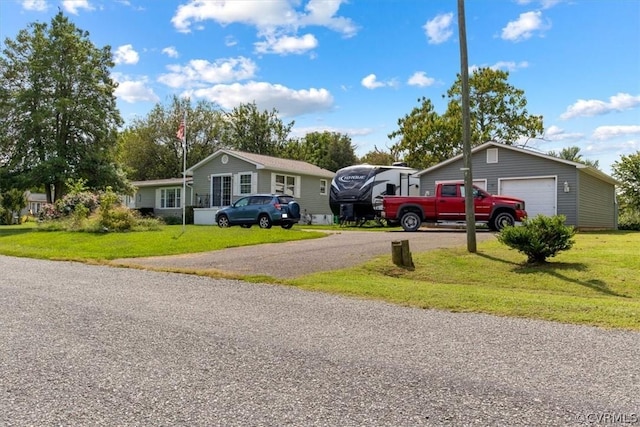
(272, 163)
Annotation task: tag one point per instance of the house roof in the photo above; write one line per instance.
(161, 182)
(269, 162)
(585, 168)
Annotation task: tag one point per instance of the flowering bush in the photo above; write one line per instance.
(48, 212)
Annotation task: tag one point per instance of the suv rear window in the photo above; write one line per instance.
(285, 199)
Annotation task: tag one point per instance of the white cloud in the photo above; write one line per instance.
(555, 133)
(524, 27)
(545, 4)
(126, 54)
(131, 91)
(265, 15)
(420, 79)
(230, 41)
(501, 65)
(287, 44)
(170, 51)
(609, 132)
(37, 5)
(288, 102)
(438, 29)
(73, 6)
(199, 72)
(371, 82)
(302, 131)
(595, 107)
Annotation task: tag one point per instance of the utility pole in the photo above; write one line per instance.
(470, 214)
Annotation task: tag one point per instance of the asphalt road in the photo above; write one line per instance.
(291, 259)
(93, 345)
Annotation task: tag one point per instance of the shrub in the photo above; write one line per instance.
(539, 238)
(172, 220)
(629, 220)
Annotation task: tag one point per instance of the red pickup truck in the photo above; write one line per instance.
(448, 205)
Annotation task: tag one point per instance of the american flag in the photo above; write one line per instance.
(180, 133)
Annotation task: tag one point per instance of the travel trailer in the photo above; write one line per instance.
(354, 189)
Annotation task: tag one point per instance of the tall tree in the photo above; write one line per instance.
(58, 115)
(426, 138)
(248, 129)
(497, 112)
(378, 157)
(149, 146)
(627, 172)
(498, 109)
(328, 150)
(573, 153)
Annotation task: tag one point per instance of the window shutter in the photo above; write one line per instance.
(254, 182)
(157, 205)
(236, 184)
(273, 183)
(296, 187)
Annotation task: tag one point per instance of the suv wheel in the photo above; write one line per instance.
(287, 225)
(264, 221)
(223, 221)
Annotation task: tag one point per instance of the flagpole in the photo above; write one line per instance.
(184, 171)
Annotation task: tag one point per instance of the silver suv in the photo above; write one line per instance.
(265, 210)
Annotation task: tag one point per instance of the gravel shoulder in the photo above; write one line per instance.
(292, 259)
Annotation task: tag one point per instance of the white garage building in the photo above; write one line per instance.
(547, 184)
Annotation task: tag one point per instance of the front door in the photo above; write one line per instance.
(221, 190)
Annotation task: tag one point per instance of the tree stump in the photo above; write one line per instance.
(400, 253)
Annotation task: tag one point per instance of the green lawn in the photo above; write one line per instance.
(597, 282)
(27, 241)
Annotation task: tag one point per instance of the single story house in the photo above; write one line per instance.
(227, 175)
(35, 202)
(548, 185)
(161, 197)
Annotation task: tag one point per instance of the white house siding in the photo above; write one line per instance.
(596, 203)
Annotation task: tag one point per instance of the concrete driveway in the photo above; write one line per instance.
(291, 259)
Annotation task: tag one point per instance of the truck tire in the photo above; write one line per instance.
(410, 221)
(502, 219)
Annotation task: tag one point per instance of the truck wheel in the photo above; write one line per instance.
(503, 219)
(410, 221)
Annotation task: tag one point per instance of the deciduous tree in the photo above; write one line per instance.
(58, 115)
(150, 148)
(627, 172)
(248, 129)
(498, 113)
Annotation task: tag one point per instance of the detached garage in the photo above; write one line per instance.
(547, 184)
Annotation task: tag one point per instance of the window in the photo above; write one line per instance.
(492, 155)
(323, 187)
(245, 183)
(449, 191)
(170, 198)
(285, 184)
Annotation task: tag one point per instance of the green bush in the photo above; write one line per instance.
(539, 238)
(172, 220)
(629, 220)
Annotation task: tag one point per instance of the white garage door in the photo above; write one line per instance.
(539, 194)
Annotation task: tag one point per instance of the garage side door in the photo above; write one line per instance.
(539, 194)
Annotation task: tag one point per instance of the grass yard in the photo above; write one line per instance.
(26, 241)
(597, 282)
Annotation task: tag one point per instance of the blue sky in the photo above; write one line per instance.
(358, 66)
